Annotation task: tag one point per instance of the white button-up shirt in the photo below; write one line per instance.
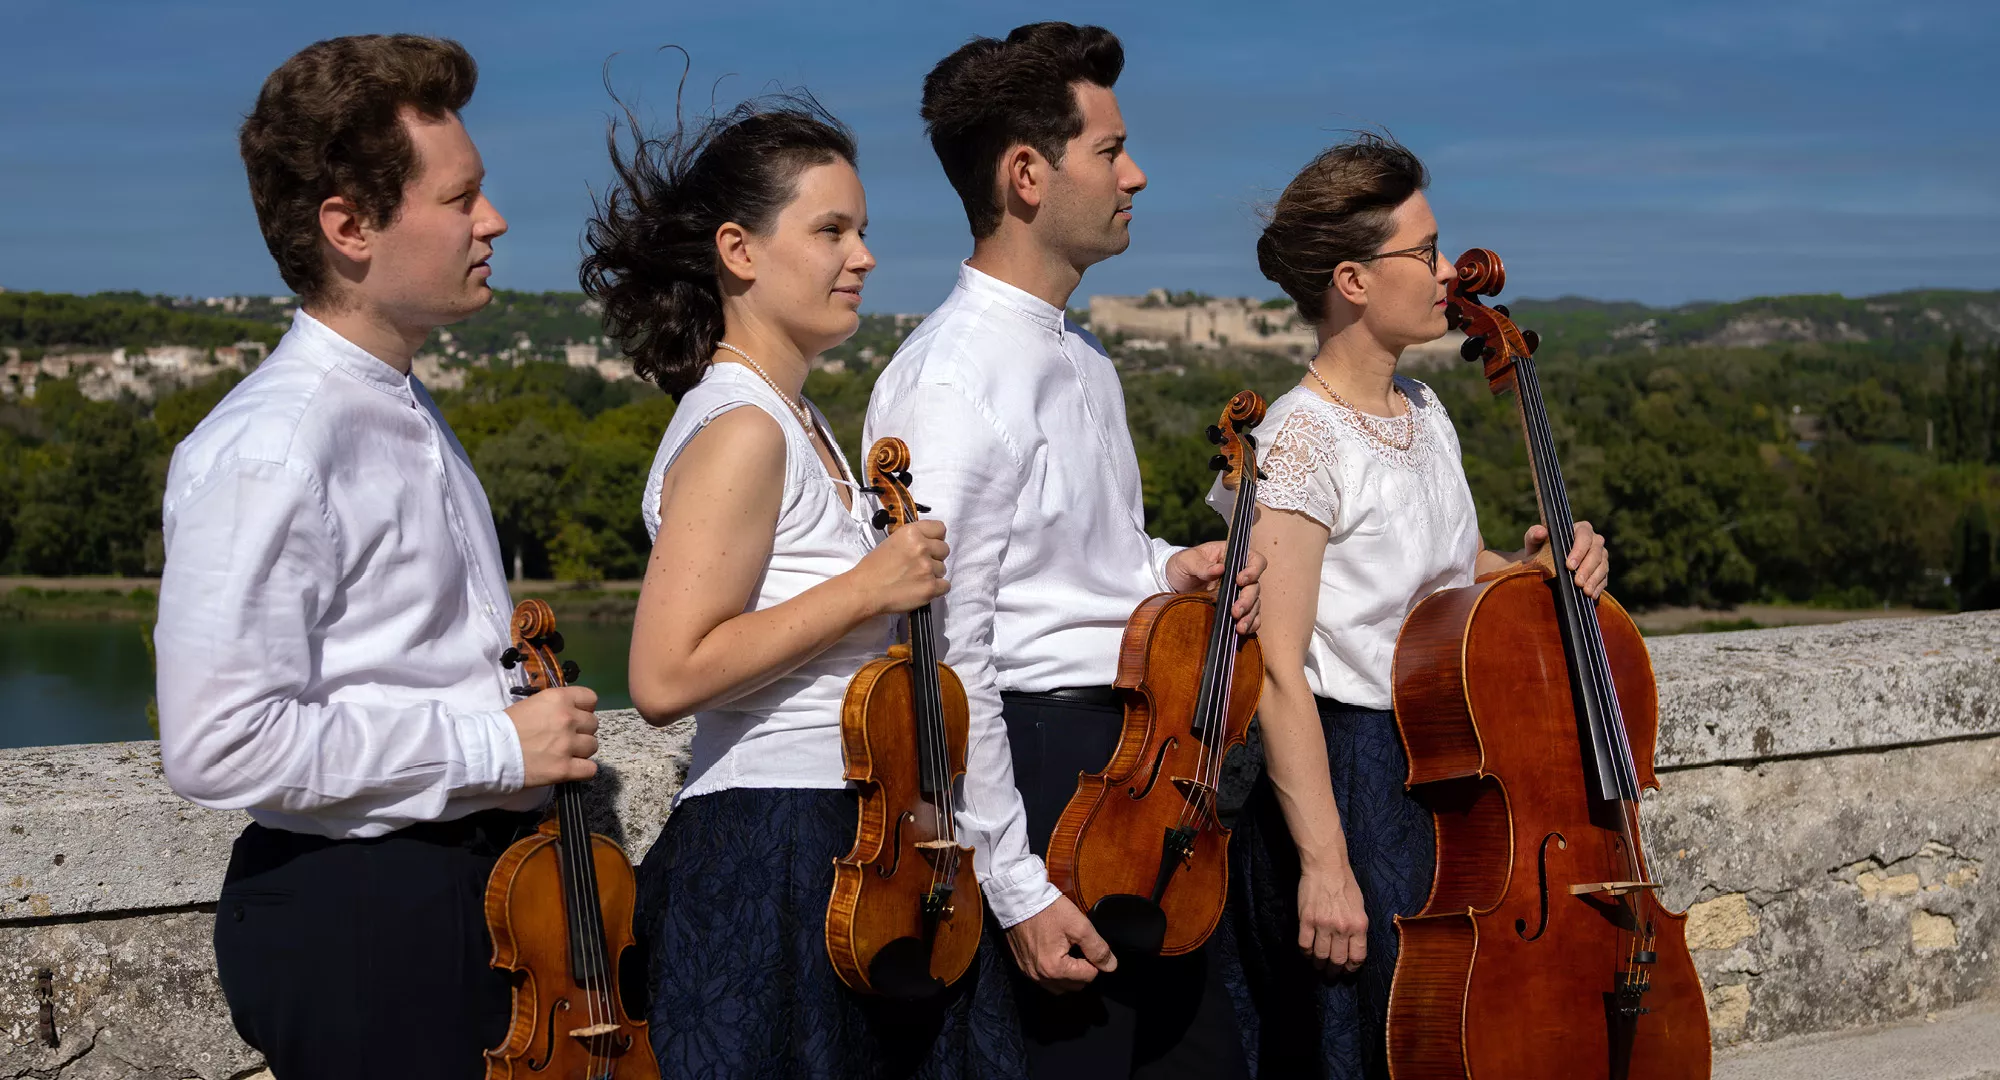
(1016, 426)
(333, 606)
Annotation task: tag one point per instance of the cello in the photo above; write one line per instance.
(1529, 713)
(559, 907)
(1140, 846)
(905, 916)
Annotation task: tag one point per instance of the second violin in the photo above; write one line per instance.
(1140, 847)
(905, 916)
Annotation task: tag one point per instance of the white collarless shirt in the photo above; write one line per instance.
(1015, 421)
(786, 733)
(333, 606)
(1400, 524)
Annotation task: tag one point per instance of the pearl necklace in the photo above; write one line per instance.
(1365, 427)
(798, 407)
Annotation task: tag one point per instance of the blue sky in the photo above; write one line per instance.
(1662, 152)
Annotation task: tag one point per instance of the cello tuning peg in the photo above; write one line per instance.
(1218, 463)
(1472, 348)
(1215, 434)
(570, 671)
(1533, 339)
(881, 519)
(1502, 309)
(511, 657)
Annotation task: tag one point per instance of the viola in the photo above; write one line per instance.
(1140, 846)
(905, 916)
(1529, 713)
(559, 906)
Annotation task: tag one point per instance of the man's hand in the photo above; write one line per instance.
(1588, 559)
(558, 733)
(1042, 944)
(1195, 570)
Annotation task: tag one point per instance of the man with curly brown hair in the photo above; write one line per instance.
(333, 605)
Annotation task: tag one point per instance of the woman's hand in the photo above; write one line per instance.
(1588, 558)
(1333, 924)
(906, 571)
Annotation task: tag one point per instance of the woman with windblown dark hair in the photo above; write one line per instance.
(727, 257)
(1364, 512)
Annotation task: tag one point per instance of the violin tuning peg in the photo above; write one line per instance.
(554, 640)
(1215, 434)
(881, 519)
(511, 657)
(903, 478)
(570, 671)
(1261, 475)
(1502, 309)
(1472, 348)
(1218, 463)
(921, 508)
(520, 691)
(1533, 339)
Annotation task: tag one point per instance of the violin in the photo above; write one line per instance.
(559, 906)
(1140, 846)
(1529, 713)
(905, 916)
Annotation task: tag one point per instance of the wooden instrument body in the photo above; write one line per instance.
(524, 896)
(1107, 842)
(880, 885)
(1505, 973)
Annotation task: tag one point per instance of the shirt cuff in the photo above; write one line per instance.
(1162, 551)
(492, 747)
(1021, 895)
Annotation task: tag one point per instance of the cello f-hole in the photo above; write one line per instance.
(1542, 860)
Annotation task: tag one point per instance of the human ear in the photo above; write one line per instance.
(732, 247)
(1024, 173)
(341, 226)
(1349, 284)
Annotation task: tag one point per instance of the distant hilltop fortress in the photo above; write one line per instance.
(1162, 319)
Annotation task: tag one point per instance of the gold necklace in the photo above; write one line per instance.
(798, 407)
(1366, 428)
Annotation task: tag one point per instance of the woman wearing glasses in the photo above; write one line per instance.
(1364, 513)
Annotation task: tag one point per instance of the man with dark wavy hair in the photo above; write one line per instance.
(1017, 419)
(333, 605)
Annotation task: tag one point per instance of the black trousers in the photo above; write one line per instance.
(350, 958)
(1154, 1017)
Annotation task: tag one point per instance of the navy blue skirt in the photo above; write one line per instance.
(1297, 1022)
(732, 904)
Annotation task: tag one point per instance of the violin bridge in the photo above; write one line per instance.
(1199, 795)
(1612, 888)
(593, 1031)
(936, 845)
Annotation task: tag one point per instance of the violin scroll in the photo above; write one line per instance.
(1244, 411)
(537, 643)
(888, 473)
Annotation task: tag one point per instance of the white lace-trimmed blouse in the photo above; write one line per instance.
(786, 733)
(1400, 524)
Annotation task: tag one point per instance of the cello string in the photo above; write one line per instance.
(1587, 633)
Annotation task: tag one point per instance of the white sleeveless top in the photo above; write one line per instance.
(785, 734)
(1400, 524)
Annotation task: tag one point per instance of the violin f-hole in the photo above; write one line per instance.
(549, 1050)
(1542, 861)
(896, 845)
(1159, 759)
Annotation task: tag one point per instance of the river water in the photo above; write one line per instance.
(78, 680)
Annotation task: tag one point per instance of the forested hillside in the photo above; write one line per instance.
(1845, 473)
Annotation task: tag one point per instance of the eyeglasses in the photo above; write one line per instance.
(1427, 252)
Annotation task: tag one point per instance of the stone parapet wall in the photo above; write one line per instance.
(1831, 812)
